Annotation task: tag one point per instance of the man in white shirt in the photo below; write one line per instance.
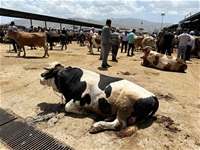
(190, 45)
(92, 31)
(124, 39)
(182, 46)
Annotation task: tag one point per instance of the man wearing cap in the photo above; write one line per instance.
(190, 45)
(115, 44)
(13, 27)
(105, 42)
(182, 46)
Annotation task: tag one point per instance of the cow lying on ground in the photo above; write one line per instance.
(29, 39)
(162, 62)
(104, 95)
(54, 37)
(93, 40)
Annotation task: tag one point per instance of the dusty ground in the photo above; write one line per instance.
(178, 117)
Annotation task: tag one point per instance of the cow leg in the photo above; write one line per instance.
(24, 52)
(91, 48)
(117, 124)
(18, 55)
(51, 46)
(45, 51)
(65, 46)
(74, 107)
(62, 47)
(123, 112)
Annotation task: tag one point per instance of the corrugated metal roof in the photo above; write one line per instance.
(26, 15)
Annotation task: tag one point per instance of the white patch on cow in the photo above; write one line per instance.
(94, 42)
(74, 107)
(49, 82)
(136, 90)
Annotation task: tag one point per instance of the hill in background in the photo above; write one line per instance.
(127, 23)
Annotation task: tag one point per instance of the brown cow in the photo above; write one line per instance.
(138, 42)
(149, 41)
(162, 62)
(29, 39)
(93, 40)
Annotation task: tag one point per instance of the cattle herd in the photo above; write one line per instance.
(121, 102)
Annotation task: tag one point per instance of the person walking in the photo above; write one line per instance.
(131, 39)
(190, 45)
(116, 38)
(106, 41)
(159, 37)
(182, 46)
(168, 41)
(124, 39)
(31, 30)
(13, 27)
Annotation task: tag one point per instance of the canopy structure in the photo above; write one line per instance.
(31, 16)
(192, 23)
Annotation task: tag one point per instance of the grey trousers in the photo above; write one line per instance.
(182, 52)
(105, 52)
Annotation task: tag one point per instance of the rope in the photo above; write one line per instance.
(39, 119)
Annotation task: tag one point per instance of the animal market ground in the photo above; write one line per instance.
(177, 120)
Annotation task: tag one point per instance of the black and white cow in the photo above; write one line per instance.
(104, 95)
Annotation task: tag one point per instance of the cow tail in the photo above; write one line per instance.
(128, 131)
(155, 108)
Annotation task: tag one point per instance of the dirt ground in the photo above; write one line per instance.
(178, 117)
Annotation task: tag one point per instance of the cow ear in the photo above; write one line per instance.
(59, 66)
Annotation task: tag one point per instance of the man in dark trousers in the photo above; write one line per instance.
(131, 39)
(106, 42)
(159, 37)
(115, 44)
(168, 41)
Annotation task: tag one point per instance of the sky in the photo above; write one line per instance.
(174, 10)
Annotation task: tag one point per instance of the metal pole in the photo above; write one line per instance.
(162, 20)
(31, 22)
(45, 24)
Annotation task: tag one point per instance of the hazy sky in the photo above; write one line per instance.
(175, 10)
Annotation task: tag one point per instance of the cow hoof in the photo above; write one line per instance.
(94, 130)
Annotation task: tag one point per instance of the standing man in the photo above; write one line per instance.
(92, 31)
(116, 38)
(182, 46)
(13, 27)
(159, 37)
(31, 30)
(131, 39)
(106, 41)
(190, 45)
(168, 41)
(124, 41)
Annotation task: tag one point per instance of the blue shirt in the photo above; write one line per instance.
(131, 37)
(13, 27)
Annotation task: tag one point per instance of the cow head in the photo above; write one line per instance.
(49, 76)
(10, 33)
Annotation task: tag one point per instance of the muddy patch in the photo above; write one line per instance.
(166, 97)
(167, 123)
(126, 73)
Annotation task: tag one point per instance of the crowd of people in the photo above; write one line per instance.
(111, 40)
(185, 42)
